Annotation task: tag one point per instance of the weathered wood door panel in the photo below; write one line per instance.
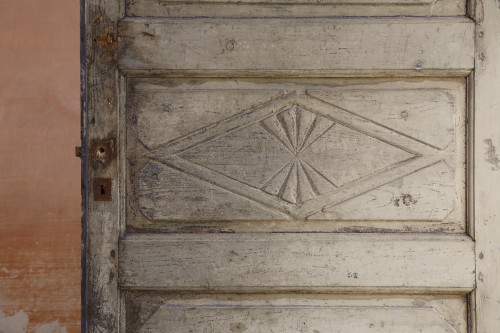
(284, 166)
(296, 46)
(388, 152)
(289, 261)
(292, 313)
(294, 8)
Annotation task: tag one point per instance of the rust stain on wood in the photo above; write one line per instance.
(102, 151)
(108, 39)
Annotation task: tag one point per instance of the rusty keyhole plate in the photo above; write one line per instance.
(102, 189)
(102, 151)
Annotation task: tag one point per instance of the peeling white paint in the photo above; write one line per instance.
(52, 327)
(17, 323)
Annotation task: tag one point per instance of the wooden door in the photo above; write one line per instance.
(290, 166)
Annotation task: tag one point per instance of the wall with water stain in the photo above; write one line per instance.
(39, 174)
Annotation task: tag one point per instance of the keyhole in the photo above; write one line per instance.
(102, 189)
(101, 153)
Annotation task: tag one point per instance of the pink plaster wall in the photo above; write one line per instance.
(39, 174)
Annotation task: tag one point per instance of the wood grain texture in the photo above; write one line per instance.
(486, 165)
(270, 47)
(201, 146)
(291, 319)
(100, 121)
(331, 150)
(297, 262)
(295, 8)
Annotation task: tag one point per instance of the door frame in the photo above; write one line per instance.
(483, 168)
(102, 121)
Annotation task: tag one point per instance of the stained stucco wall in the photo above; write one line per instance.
(39, 175)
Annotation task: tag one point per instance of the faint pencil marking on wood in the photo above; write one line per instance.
(405, 199)
(491, 155)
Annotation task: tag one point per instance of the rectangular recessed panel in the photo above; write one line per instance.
(290, 8)
(294, 313)
(257, 155)
(321, 47)
(313, 262)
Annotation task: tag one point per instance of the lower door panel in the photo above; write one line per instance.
(184, 313)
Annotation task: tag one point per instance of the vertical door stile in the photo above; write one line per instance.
(486, 174)
(100, 221)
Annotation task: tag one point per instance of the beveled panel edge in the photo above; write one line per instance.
(296, 8)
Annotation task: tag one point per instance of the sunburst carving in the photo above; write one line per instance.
(297, 129)
(295, 155)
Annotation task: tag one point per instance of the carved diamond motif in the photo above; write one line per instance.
(295, 155)
(291, 157)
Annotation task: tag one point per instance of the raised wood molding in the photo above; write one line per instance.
(340, 47)
(307, 262)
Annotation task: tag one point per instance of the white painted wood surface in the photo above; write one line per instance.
(331, 150)
(297, 262)
(340, 46)
(486, 165)
(148, 311)
(294, 8)
(218, 318)
(244, 125)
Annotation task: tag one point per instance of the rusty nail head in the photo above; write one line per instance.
(102, 151)
(102, 189)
